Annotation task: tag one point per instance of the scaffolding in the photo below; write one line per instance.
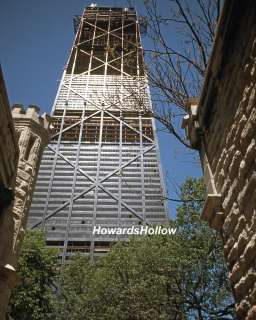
(102, 166)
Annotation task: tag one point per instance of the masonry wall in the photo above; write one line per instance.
(24, 134)
(227, 118)
(32, 133)
(9, 153)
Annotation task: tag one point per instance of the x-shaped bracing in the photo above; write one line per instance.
(99, 184)
(105, 32)
(88, 176)
(59, 154)
(106, 111)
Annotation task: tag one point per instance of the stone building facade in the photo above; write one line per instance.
(32, 133)
(222, 126)
(23, 136)
(9, 155)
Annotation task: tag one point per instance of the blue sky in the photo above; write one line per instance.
(36, 38)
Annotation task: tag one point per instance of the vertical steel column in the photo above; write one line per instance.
(91, 56)
(156, 145)
(73, 190)
(96, 188)
(140, 124)
(99, 146)
(121, 130)
(120, 172)
(61, 128)
(53, 168)
(142, 170)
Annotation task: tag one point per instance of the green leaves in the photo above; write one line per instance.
(154, 277)
(182, 276)
(33, 298)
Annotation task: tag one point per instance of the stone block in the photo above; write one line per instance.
(231, 196)
(239, 127)
(252, 297)
(238, 270)
(241, 225)
(245, 196)
(228, 245)
(251, 314)
(233, 254)
(242, 309)
(250, 250)
(212, 211)
(23, 175)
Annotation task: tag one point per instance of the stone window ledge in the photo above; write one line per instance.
(7, 272)
(212, 211)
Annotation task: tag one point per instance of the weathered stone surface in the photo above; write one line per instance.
(250, 250)
(213, 206)
(240, 226)
(252, 314)
(8, 168)
(33, 133)
(231, 219)
(231, 196)
(228, 120)
(242, 309)
(253, 295)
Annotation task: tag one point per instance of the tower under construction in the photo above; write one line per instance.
(102, 166)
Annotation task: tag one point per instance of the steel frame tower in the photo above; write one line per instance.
(101, 166)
